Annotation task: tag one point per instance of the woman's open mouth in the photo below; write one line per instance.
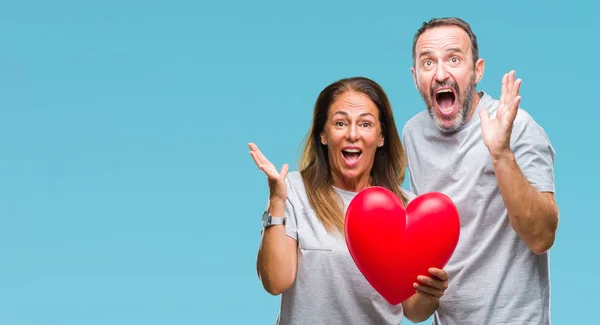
(351, 155)
(445, 100)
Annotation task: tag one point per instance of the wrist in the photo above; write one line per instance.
(276, 207)
(502, 156)
(277, 199)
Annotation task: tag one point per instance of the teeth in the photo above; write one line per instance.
(444, 91)
(352, 150)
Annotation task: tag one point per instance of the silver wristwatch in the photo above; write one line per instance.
(268, 220)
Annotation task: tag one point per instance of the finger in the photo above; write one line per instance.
(255, 158)
(254, 149)
(517, 102)
(428, 290)
(284, 170)
(438, 273)
(261, 158)
(517, 86)
(512, 111)
(268, 169)
(510, 86)
(503, 92)
(431, 282)
(438, 281)
(515, 99)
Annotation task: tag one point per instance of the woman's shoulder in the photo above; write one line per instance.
(294, 179)
(295, 186)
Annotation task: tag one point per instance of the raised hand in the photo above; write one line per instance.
(496, 132)
(276, 179)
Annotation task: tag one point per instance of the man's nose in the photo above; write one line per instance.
(440, 73)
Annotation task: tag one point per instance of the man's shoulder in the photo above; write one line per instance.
(524, 124)
(416, 122)
(491, 104)
(409, 195)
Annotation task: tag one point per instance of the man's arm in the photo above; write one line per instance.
(533, 214)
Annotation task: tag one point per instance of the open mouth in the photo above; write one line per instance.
(351, 155)
(445, 99)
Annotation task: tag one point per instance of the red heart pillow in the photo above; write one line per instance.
(392, 245)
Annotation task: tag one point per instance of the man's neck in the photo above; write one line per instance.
(474, 104)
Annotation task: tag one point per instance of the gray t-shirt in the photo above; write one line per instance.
(328, 289)
(494, 278)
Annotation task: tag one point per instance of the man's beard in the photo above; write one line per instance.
(463, 111)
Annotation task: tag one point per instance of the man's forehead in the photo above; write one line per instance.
(443, 37)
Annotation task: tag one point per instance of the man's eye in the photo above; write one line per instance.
(366, 124)
(454, 60)
(339, 123)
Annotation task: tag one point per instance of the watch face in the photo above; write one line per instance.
(265, 219)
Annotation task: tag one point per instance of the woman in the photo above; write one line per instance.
(352, 144)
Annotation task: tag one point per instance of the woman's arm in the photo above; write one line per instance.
(425, 301)
(277, 255)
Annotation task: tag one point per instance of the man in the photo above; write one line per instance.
(496, 163)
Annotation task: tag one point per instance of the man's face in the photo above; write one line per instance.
(445, 75)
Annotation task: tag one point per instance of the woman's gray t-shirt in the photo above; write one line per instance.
(329, 288)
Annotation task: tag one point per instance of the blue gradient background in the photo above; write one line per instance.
(127, 195)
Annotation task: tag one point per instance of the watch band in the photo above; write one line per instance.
(269, 220)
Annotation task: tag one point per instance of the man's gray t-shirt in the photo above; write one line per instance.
(328, 289)
(494, 278)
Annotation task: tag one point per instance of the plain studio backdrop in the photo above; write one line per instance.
(127, 194)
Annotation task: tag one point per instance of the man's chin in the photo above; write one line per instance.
(446, 118)
(447, 123)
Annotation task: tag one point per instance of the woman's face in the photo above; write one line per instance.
(352, 134)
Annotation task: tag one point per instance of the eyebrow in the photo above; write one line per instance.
(346, 114)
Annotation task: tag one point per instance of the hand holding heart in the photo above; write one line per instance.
(496, 132)
(393, 246)
(432, 288)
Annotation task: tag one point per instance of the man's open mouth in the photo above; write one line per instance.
(445, 99)
(351, 155)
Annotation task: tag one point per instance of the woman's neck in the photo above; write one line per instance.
(355, 184)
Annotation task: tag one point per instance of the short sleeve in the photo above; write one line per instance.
(291, 228)
(534, 154)
(411, 192)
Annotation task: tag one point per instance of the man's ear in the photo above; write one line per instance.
(415, 78)
(479, 69)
